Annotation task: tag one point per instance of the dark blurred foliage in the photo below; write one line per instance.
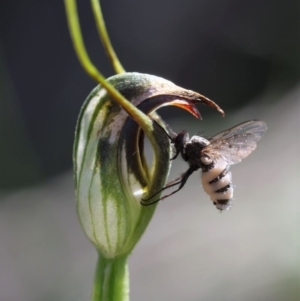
(228, 50)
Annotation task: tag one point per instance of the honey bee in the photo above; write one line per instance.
(214, 157)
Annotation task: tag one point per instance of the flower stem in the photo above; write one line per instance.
(105, 37)
(72, 16)
(111, 280)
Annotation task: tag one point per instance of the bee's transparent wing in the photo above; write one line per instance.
(236, 143)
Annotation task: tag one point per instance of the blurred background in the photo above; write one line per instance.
(242, 54)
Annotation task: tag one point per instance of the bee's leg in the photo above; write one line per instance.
(175, 156)
(170, 184)
(181, 180)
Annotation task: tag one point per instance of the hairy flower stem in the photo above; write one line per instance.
(111, 281)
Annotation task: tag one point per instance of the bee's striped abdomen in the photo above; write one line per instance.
(216, 182)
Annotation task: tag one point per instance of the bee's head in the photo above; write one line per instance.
(180, 141)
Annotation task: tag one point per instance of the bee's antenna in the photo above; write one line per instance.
(168, 128)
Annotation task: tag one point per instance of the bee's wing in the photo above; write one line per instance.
(236, 143)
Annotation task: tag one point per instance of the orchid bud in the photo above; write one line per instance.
(110, 168)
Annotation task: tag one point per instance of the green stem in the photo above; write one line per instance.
(105, 37)
(72, 16)
(111, 282)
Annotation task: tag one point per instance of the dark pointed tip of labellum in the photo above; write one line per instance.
(210, 103)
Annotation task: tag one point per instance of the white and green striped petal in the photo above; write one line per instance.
(109, 166)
